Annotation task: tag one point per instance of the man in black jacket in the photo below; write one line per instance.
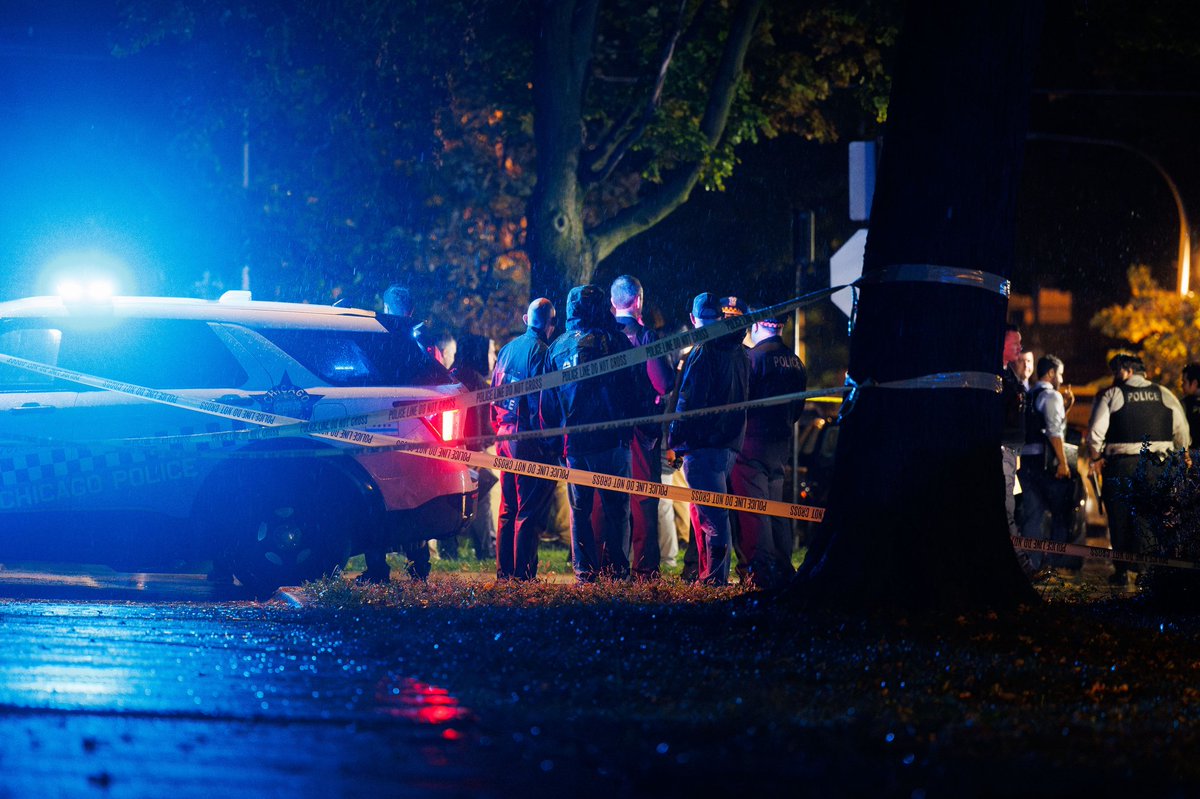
(524, 500)
(764, 543)
(716, 372)
(646, 446)
(592, 334)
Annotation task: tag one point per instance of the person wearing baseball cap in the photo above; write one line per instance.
(715, 373)
(764, 543)
(733, 306)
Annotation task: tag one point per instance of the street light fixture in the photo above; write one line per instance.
(1185, 238)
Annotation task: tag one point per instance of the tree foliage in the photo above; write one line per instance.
(395, 139)
(1159, 322)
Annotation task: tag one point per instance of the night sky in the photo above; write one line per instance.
(86, 165)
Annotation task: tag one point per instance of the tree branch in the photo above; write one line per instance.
(651, 210)
(600, 163)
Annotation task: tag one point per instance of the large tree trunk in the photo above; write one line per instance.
(559, 250)
(916, 517)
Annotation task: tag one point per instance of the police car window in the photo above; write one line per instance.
(349, 358)
(158, 353)
(35, 344)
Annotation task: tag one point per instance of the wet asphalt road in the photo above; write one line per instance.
(170, 696)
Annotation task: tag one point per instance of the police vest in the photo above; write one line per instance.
(1035, 420)
(1013, 398)
(1142, 417)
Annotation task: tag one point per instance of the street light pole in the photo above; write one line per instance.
(1185, 238)
(804, 253)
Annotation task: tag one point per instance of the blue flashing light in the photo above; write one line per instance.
(85, 275)
(93, 290)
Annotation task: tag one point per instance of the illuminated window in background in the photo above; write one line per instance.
(1053, 307)
(1049, 307)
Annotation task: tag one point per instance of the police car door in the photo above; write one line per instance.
(183, 357)
(34, 410)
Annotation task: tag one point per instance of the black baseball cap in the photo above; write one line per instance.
(707, 305)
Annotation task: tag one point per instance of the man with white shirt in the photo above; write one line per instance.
(1046, 471)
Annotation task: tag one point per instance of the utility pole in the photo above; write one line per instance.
(804, 253)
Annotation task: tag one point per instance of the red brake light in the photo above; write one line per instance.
(451, 429)
(445, 425)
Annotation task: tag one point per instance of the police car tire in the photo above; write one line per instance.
(291, 525)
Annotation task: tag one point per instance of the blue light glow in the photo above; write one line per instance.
(85, 275)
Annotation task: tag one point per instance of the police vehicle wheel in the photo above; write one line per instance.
(287, 528)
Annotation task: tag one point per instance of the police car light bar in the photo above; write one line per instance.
(94, 290)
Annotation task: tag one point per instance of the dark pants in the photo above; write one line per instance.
(524, 512)
(601, 549)
(1124, 475)
(646, 465)
(763, 543)
(709, 470)
(1044, 493)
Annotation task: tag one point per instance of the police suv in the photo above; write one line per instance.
(101, 473)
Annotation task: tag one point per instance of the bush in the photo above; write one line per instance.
(1167, 511)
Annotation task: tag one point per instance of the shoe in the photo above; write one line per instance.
(1044, 576)
(369, 576)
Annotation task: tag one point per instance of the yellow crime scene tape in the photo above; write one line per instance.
(381, 442)
(1079, 550)
(347, 430)
(377, 442)
(276, 426)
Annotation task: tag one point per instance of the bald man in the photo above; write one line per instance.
(524, 500)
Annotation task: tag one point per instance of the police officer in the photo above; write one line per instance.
(1046, 471)
(646, 447)
(1012, 436)
(398, 308)
(524, 500)
(591, 334)
(398, 302)
(716, 372)
(1132, 413)
(764, 543)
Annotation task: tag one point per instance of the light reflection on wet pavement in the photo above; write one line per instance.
(154, 699)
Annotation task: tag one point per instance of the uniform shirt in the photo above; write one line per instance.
(606, 398)
(715, 373)
(521, 358)
(774, 370)
(658, 370)
(1113, 400)
(660, 378)
(1053, 411)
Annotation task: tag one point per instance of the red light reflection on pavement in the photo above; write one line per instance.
(406, 698)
